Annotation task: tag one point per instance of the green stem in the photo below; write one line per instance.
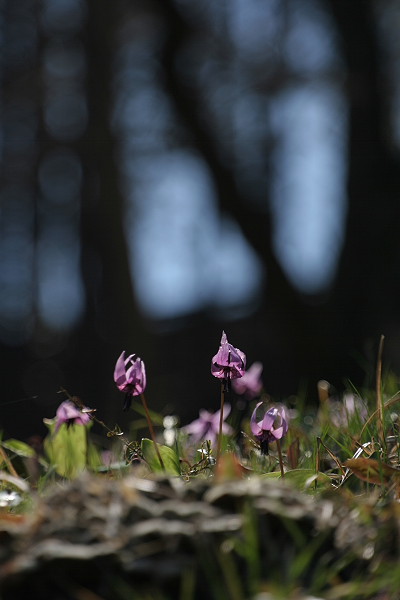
(379, 399)
(278, 445)
(317, 461)
(151, 429)
(221, 419)
(8, 463)
(317, 457)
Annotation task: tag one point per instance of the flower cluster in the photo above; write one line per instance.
(229, 364)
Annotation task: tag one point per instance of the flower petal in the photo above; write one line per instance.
(254, 426)
(67, 412)
(229, 362)
(206, 427)
(269, 419)
(250, 383)
(273, 426)
(130, 374)
(119, 371)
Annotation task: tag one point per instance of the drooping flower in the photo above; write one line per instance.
(206, 427)
(229, 362)
(130, 377)
(70, 414)
(250, 384)
(273, 426)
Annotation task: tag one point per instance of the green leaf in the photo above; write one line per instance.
(66, 449)
(271, 475)
(168, 455)
(19, 448)
(304, 478)
(93, 457)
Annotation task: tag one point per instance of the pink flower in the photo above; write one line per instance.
(130, 377)
(206, 427)
(250, 383)
(70, 414)
(273, 426)
(229, 362)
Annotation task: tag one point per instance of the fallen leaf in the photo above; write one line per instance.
(371, 470)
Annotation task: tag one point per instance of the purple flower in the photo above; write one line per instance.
(229, 362)
(206, 427)
(130, 377)
(273, 426)
(250, 383)
(70, 414)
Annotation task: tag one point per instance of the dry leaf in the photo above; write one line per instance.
(371, 470)
(228, 467)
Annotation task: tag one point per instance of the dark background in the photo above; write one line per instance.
(173, 168)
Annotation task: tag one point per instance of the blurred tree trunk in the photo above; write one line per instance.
(19, 72)
(369, 271)
(317, 337)
(287, 331)
(111, 322)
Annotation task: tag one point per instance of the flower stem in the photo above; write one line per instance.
(379, 400)
(151, 429)
(278, 445)
(8, 463)
(221, 419)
